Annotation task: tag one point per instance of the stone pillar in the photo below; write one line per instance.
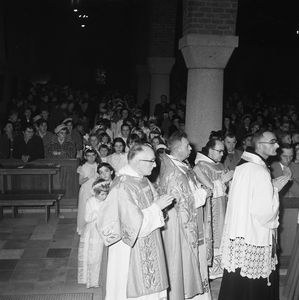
(143, 83)
(160, 69)
(206, 56)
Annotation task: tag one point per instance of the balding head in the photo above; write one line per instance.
(141, 158)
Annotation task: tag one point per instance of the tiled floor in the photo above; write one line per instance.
(39, 258)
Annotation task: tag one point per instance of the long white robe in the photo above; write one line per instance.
(120, 256)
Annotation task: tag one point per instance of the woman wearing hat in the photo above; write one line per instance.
(61, 145)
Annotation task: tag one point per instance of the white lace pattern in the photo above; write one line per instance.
(254, 261)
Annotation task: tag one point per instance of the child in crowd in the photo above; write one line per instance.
(105, 139)
(90, 246)
(94, 143)
(118, 159)
(87, 175)
(104, 152)
(106, 172)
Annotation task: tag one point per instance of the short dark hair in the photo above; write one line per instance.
(230, 135)
(123, 125)
(133, 137)
(40, 122)
(119, 140)
(108, 166)
(28, 126)
(175, 138)
(211, 144)
(257, 137)
(286, 146)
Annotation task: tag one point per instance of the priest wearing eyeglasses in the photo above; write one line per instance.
(250, 229)
(215, 176)
(129, 223)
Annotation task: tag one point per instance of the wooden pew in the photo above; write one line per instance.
(66, 179)
(17, 200)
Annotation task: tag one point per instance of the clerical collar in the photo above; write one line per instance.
(251, 150)
(177, 161)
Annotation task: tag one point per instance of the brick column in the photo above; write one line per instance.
(143, 83)
(207, 45)
(162, 20)
(160, 69)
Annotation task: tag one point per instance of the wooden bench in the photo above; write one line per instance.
(34, 198)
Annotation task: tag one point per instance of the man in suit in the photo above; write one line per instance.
(233, 155)
(243, 128)
(160, 108)
(285, 165)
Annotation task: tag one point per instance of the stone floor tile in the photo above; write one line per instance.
(44, 228)
(52, 222)
(25, 275)
(35, 253)
(49, 287)
(59, 253)
(61, 243)
(2, 242)
(19, 288)
(74, 252)
(30, 263)
(19, 236)
(5, 275)
(25, 229)
(5, 235)
(74, 287)
(76, 243)
(11, 253)
(41, 236)
(3, 287)
(55, 263)
(73, 262)
(68, 221)
(13, 244)
(6, 229)
(215, 294)
(72, 275)
(64, 235)
(97, 293)
(24, 221)
(8, 221)
(66, 227)
(39, 243)
(52, 275)
(8, 264)
(71, 215)
(215, 284)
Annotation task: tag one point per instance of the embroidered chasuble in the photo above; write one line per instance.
(184, 231)
(129, 225)
(207, 169)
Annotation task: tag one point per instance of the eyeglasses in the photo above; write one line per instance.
(272, 142)
(219, 151)
(150, 161)
(29, 131)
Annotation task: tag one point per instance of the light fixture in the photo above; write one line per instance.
(75, 10)
(82, 25)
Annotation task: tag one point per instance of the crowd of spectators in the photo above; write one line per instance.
(67, 120)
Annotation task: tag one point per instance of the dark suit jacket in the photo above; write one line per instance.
(291, 189)
(232, 163)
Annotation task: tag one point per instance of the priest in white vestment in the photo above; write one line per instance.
(129, 224)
